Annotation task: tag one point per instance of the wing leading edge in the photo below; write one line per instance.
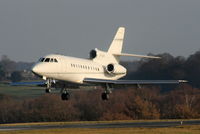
(132, 82)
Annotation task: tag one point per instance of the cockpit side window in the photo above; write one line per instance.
(41, 59)
(47, 60)
(55, 60)
(51, 60)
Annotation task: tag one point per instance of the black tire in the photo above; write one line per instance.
(65, 96)
(48, 90)
(105, 96)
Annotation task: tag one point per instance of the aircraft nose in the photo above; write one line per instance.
(36, 69)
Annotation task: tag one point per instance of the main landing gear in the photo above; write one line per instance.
(65, 95)
(105, 95)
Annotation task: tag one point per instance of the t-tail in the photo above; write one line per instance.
(115, 51)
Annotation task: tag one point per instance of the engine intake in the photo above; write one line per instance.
(93, 54)
(115, 69)
(110, 67)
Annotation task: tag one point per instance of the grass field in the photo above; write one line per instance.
(172, 130)
(26, 91)
(21, 91)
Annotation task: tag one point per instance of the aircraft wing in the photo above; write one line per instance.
(132, 82)
(33, 83)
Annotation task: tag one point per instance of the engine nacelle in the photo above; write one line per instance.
(93, 54)
(101, 57)
(96, 54)
(115, 69)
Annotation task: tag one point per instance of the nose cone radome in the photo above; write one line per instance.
(36, 69)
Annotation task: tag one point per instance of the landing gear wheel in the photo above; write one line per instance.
(105, 96)
(65, 96)
(48, 90)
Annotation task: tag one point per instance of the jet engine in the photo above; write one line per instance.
(93, 54)
(115, 69)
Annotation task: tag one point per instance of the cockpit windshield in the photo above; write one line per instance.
(51, 60)
(41, 59)
(48, 60)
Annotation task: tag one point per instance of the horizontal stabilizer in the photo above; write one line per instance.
(136, 55)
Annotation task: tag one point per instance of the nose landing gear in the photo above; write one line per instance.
(49, 84)
(48, 90)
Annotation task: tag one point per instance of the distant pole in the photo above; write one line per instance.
(181, 122)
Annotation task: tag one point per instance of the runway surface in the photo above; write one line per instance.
(153, 124)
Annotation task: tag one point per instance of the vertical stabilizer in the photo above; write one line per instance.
(117, 43)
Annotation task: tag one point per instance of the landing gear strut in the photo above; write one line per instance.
(48, 88)
(105, 95)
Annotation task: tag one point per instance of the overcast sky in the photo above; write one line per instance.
(30, 29)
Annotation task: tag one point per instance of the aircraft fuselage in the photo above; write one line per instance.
(72, 69)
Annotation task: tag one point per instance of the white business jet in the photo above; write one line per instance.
(102, 68)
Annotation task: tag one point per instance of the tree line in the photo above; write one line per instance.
(13, 71)
(168, 67)
(124, 104)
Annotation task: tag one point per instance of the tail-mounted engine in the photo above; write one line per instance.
(115, 69)
(101, 57)
(108, 61)
(93, 54)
